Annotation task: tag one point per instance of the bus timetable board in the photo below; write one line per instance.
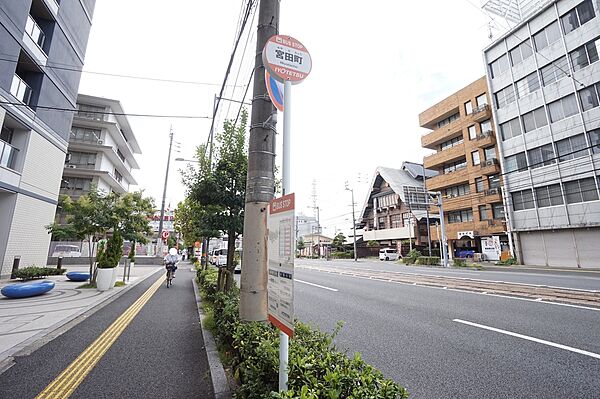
(281, 242)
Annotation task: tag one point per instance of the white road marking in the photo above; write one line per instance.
(316, 285)
(526, 337)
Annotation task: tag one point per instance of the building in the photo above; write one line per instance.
(544, 76)
(395, 207)
(102, 149)
(466, 159)
(35, 99)
(101, 153)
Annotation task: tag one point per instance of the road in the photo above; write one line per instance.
(441, 343)
(159, 354)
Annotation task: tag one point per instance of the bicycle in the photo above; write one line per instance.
(170, 272)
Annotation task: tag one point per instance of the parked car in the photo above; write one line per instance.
(388, 254)
(464, 253)
(66, 251)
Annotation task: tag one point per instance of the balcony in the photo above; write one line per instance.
(34, 37)
(445, 156)
(21, 90)
(486, 139)
(481, 113)
(490, 167)
(438, 136)
(8, 155)
(446, 180)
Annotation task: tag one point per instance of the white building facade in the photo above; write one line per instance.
(544, 77)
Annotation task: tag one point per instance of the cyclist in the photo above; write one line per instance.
(171, 261)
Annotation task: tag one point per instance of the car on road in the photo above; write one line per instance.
(219, 257)
(464, 253)
(388, 254)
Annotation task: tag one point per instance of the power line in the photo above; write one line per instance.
(19, 104)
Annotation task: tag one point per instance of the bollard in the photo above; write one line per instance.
(59, 263)
(15, 267)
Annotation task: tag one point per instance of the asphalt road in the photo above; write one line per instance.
(578, 279)
(418, 336)
(159, 355)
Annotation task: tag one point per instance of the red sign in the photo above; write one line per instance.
(165, 235)
(286, 59)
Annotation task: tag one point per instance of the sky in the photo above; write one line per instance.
(376, 66)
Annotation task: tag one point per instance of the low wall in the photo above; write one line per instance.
(139, 260)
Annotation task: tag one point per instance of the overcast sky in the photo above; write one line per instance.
(376, 66)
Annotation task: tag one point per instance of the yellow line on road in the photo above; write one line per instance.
(63, 386)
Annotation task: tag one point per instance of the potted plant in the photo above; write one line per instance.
(131, 255)
(104, 272)
(108, 262)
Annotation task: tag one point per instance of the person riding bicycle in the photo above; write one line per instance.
(171, 261)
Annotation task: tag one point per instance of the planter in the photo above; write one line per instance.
(104, 278)
(114, 278)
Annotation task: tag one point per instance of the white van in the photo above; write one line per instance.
(388, 254)
(66, 251)
(219, 257)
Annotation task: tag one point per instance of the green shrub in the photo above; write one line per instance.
(342, 255)
(317, 368)
(509, 261)
(428, 260)
(408, 261)
(460, 262)
(33, 272)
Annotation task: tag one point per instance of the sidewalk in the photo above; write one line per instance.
(28, 323)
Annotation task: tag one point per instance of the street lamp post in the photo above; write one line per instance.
(353, 221)
(164, 196)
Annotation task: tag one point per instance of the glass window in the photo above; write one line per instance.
(571, 147)
(595, 140)
(546, 36)
(472, 132)
(478, 184)
(481, 100)
(589, 97)
(541, 156)
(468, 108)
(577, 16)
(549, 195)
(505, 96)
(460, 216)
(534, 119)
(499, 66)
(528, 84)
(585, 11)
(581, 190)
(510, 129)
(498, 211)
(490, 153)
(486, 126)
(522, 200)
(517, 162)
(396, 221)
(521, 52)
(584, 55)
(494, 181)
(554, 71)
(563, 108)
(475, 158)
(483, 214)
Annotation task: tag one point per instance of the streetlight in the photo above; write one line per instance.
(353, 221)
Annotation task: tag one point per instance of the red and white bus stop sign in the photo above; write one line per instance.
(286, 59)
(165, 235)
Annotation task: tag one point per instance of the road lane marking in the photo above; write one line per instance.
(65, 384)
(316, 285)
(528, 338)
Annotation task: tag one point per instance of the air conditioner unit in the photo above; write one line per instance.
(493, 191)
(489, 162)
(100, 142)
(72, 166)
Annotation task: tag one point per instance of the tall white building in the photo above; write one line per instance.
(102, 148)
(544, 75)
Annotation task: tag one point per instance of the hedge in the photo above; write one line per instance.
(428, 260)
(316, 368)
(33, 272)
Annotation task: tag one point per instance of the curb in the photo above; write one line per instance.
(25, 348)
(217, 373)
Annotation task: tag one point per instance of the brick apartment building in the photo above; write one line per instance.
(466, 159)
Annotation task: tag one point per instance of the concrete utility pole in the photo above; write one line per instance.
(444, 241)
(260, 183)
(353, 221)
(162, 206)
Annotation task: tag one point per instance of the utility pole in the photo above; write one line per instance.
(443, 240)
(353, 221)
(426, 210)
(260, 183)
(162, 206)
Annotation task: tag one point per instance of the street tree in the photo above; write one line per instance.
(300, 245)
(222, 190)
(338, 242)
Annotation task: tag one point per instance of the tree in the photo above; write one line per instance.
(338, 242)
(222, 190)
(300, 245)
